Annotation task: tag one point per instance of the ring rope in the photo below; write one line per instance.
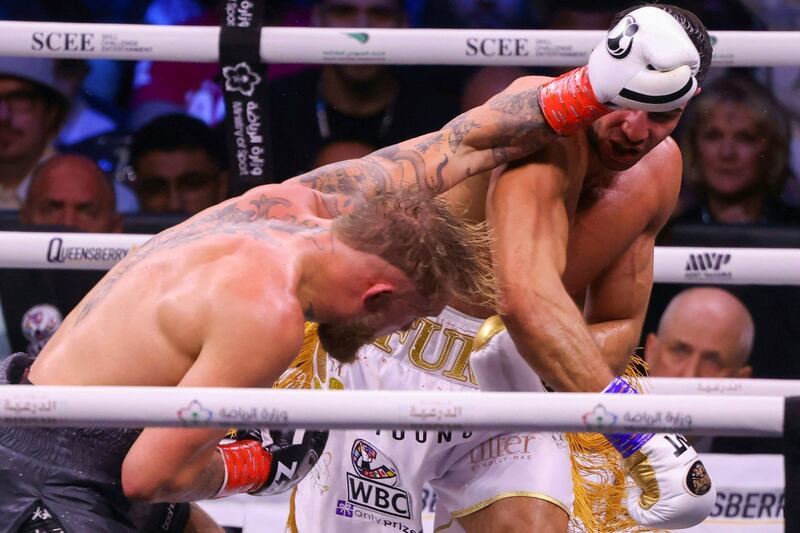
(722, 386)
(363, 46)
(100, 251)
(79, 406)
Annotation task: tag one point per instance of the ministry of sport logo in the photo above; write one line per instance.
(194, 413)
(620, 39)
(240, 78)
(374, 484)
(599, 418)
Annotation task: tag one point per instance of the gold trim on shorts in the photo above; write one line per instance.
(445, 526)
(291, 520)
(523, 493)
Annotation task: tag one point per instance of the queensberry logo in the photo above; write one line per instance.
(373, 485)
(58, 253)
(707, 265)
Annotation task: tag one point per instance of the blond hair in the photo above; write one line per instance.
(442, 254)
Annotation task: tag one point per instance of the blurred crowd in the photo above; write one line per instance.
(107, 146)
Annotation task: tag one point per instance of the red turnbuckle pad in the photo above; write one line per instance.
(568, 102)
(247, 466)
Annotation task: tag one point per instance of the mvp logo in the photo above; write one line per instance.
(378, 497)
(706, 262)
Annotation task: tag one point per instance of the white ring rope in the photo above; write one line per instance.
(723, 386)
(100, 251)
(359, 409)
(363, 45)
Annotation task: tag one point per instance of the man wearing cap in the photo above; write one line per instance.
(32, 110)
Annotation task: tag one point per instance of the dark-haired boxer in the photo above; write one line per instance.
(574, 227)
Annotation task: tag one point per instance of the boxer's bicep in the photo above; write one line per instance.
(617, 300)
(241, 350)
(526, 210)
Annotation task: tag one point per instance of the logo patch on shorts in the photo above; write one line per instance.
(41, 520)
(370, 463)
(373, 486)
(698, 481)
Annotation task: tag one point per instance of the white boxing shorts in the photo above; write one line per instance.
(377, 481)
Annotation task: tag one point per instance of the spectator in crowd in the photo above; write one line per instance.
(784, 82)
(375, 104)
(735, 152)
(704, 332)
(32, 110)
(179, 164)
(71, 190)
(707, 332)
(85, 119)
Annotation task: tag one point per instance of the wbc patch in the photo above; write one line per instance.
(374, 485)
(698, 481)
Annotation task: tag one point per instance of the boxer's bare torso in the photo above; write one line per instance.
(563, 218)
(232, 271)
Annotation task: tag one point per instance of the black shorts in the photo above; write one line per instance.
(56, 480)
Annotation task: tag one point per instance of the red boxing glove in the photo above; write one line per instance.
(247, 467)
(569, 103)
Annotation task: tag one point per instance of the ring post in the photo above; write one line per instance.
(791, 458)
(244, 88)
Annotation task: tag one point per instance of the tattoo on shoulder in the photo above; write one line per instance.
(255, 220)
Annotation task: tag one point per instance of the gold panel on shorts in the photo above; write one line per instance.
(490, 327)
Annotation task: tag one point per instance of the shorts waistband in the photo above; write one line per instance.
(99, 450)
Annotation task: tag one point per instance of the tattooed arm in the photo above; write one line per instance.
(507, 127)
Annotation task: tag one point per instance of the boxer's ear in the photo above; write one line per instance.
(374, 298)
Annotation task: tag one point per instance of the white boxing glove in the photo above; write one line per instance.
(673, 489)
(647, 62)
